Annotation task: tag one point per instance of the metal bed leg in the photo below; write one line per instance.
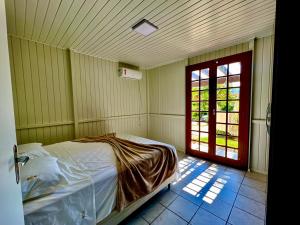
(169, 186)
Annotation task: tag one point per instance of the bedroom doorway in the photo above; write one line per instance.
(218, 109)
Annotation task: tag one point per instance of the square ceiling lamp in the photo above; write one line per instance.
(144, 27)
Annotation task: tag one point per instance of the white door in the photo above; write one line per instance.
(11, 209)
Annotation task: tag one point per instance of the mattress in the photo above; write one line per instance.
(90, 195)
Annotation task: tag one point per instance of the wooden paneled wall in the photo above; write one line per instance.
(167, 98)
(60, 95)
(104, 102)
(167, 104)
(262, 95)
(42, 92)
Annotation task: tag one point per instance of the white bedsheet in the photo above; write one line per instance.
(90, 195)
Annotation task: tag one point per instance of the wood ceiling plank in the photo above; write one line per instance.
(135, 15)
(61, 15)
(73, 24)
(31, 6)
(39, 20)
(207, 28)
(49, 19)
(69, 17)
(10, 15)
(97, 24)
(20, 13)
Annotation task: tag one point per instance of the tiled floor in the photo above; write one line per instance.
(206, 194)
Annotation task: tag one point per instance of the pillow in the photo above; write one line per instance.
(33, 150)
(40, 176)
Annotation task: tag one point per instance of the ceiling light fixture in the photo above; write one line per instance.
(144, 27)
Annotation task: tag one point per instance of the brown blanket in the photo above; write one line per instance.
(141, 168)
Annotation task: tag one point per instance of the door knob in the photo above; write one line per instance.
(19, 160)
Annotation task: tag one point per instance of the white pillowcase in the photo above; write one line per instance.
(40, 176)
(33, 150)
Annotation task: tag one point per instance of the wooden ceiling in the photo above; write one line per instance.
(102, 28)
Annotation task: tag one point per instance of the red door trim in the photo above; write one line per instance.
(245, 91)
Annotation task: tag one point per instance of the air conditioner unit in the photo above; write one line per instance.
(130, 73)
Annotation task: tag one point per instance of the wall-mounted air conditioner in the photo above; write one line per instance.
(130, 73)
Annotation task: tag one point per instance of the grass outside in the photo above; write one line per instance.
(220, 141)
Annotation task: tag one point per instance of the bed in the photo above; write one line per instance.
(89, 195)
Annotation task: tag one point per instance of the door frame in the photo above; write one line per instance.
(245, 106)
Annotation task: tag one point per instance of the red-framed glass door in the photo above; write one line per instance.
(218, 109)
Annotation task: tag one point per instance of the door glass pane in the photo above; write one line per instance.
(221, 140)
(204, 116)
(204, 84)
(195, 136)
(203, 137)
(222, 82)
(221, 129)
(195, 106)
(222, 70)
(195, 95)
(195, 140)
(232, 153)
(221, 106)
(221, 117)
(205, 73)
(233, 130)
(233, 93)
(204, 106)
(195, 116)
(195, 145)
(232, 142)
(195, 125)
(233, 106)
(220, 151)
(195, 86)
(204, 95)
(234, 81)
(203, 147)
(234, 68)
(203, 126)
(233, 118)
(221, 94)
(195, 75)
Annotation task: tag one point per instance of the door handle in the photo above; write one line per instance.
(268, 118)
(19, 160)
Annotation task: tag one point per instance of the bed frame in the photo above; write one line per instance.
(116, 217)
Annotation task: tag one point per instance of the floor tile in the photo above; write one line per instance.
(166, 197)
(218, 208)
(136, 220)
(227, 184)
(253, 193)
(236, 171)
(151, 211)
(196, 199)
(259, 185)
(233, 176)
(239, 217)
(168, 217)
(227, 196)
(183, 208)
(203, 217)
(257, 176)
(251, 206)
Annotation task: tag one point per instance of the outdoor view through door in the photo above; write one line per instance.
(218, 109)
